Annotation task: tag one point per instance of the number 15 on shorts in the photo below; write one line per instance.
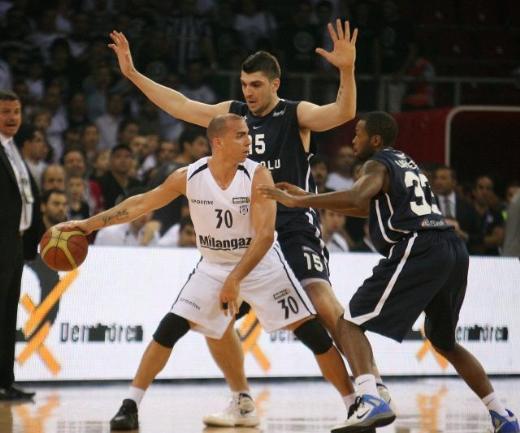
(313, 261)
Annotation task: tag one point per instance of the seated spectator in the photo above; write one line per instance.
(181, 234)
(54, 207)
(334, 236)
(75, 164)
(118, 181)
(129, 234)
(458, 212)
(53, 177)
(90, 141)
(257, 27)
(194, 87)
(341, 177)
(54, 103)
(491, 220)
(109, 123)
(168, 151)
(101, 165)
(128, 130)
(512, 230)
(77, 114)
(78, 206)
(193, 145)
(320, 172)
(33, 149)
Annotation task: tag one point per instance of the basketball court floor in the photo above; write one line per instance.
(424, 406)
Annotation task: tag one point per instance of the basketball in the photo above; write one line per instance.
(63, 250)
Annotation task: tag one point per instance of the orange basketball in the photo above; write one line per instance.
(63, 250)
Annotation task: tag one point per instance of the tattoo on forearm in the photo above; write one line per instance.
(340, 90)
(120, 214)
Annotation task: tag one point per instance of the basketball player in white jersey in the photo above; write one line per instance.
(241, 259)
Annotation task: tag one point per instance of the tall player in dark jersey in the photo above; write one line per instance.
(280, 132)
(424, 270)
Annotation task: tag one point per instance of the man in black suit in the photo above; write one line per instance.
(20, 230)
(457, 211)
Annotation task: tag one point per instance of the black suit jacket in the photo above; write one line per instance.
(11, 209)
(469, 221)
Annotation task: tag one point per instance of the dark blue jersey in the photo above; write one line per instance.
(408, 206)
(276, 144)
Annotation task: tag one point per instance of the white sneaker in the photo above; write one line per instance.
(241, 412)
(385, 395)
(367, 413)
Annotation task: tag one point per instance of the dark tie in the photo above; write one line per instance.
(447, 208)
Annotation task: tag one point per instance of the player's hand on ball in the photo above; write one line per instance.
(68, 226)
(229, 296)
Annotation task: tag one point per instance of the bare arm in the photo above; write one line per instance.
(343, 56)
(263, 217)
(354, 202)
(133, 207)
(169, 100)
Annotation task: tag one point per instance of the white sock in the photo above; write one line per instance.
(366, 384)
(136, 394)
(493, 403)
(349, 400)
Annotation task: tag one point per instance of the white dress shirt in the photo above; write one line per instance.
(22, 179)
(448, 205)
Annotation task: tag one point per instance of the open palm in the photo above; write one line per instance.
(343, 54)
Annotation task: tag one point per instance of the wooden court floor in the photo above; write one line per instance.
(424, 406)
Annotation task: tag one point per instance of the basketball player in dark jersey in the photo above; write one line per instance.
(424, 270)
(280, 132)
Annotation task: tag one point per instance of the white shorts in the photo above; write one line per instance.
(271, 289)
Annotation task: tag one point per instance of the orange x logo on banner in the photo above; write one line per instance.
(36, 316)
(249, 333)
(427, 347)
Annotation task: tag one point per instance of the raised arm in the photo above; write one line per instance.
(169, 100)
(133, 207)
(353, 202)
(263, 216)
(343, 56)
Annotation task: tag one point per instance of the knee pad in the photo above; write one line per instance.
(314, 336)
(170, 330)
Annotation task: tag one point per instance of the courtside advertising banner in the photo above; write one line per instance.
(94, 323)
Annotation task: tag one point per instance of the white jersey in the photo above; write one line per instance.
(221, 218)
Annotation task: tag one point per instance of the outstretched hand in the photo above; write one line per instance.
(282, 193)
(343, 54)
(121, 47)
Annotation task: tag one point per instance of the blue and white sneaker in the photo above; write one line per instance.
(368, 412)
(504, 424)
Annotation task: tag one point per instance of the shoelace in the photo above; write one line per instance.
(354, 407)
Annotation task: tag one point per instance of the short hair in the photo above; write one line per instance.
(383, 124)
(453, 173)
(70, 150)
(189, 135)
(264, 62)
(319, 159)
(46, 195)
(119, 147)
(218, 125)
(7, 95)
(25, 133)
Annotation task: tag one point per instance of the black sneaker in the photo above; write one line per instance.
(126, 417)
(15, 394)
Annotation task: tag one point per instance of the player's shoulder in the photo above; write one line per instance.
(196, 167)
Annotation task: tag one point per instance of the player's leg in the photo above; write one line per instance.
(169, 331)
(441, 321)
(228, 354)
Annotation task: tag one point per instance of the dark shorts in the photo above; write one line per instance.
(303, 248)
(426, 272)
